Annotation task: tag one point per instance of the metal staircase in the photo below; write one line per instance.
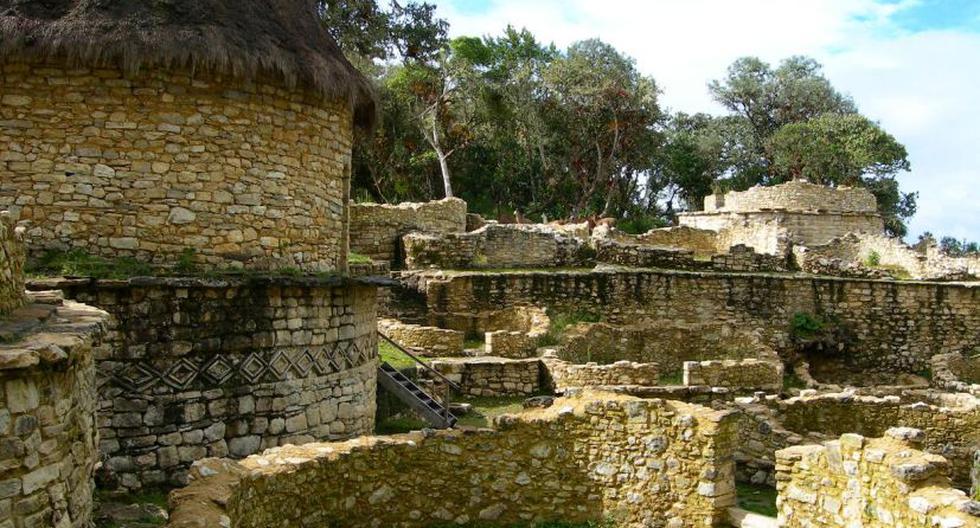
(428, 408)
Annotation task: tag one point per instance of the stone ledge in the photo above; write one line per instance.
(46, 334)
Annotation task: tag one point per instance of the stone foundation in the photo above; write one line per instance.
(856, 481)
(155, 164)
(423, 340)
(743, 375)
(47, 413)
(634, 462)
(563, 375)
(496, 246)
(490, 376)
(202, 367)
(376, 229)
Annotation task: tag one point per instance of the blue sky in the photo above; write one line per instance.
(912, 65)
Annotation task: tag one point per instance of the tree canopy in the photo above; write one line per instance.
(511, 124)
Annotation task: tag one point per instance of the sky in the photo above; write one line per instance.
(911, 65)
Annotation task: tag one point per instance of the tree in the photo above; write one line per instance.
(768, 99)
(958, 248)
(366, 32)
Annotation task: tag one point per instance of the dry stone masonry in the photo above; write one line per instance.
(597, 457)
(376, 229)
(207, 367)
(872, 482)
(423, 340)
(11, 266)
(157, 164)
(490, 376)
(563, 375)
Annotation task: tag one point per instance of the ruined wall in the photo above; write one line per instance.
(376, 229)
(496, 246)
(153, 164)
(635, 462)
(881, 253)
(701, 241)
(562, 375)
(665, 343)
(795, 195)
(48, 427)
(491, 376)
(893, 325)
(11, 266)
(744, 375)
(857, 481)
(737, 258)
(423, 340)
(957, 372)
(203, 367)
(951, 424)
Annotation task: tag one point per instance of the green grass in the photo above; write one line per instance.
(485, 409)
(400, 424)
(155, 496)
(474, 342)
(792, 381)
(79, 263)
(357, 258)
(394, 357)
(675, 377)
(756, 499)
(562, 320)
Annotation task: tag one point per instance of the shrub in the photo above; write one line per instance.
(806, 325)
(873, 259)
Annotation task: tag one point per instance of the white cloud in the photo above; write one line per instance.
(920, 86)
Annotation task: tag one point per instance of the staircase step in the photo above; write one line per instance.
(412, 395)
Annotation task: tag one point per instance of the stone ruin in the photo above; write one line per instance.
(776, 338)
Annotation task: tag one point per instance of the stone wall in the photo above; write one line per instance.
(515, 332)
(951, 423)
(562, 375)
(738, 258)
(744, 375)
(11, 265)
(423, 340)
(957, 372)
(48, 427)
(376, 229)
(702, 242)
(894, 326)
(857, 481)
(667, 344)
(153, 164)
(491, 376)
(634, 462)
(202, 367)
(879, 252)
(795, 195)
(496, 246)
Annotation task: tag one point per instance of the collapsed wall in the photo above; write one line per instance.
(858, 481)
(208, 367)
(376, 229)
(869, 255)
(593, 458)
(893, 326)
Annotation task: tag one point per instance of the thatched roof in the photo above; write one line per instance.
(242, 38)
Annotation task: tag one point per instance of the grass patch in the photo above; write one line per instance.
(675, 377)
(405, 423)
(357, 258)
(394, 357)
(485, 409)
(562, 320)
(791, 380)
(77, 263)
(474, 342)
(756, 499)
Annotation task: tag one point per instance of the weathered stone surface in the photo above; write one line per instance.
(376, 229)
(12, 256)
(159, 162)
(583, 459)
(867, 482)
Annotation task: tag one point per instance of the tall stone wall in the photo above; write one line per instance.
(11, 266)
(376, 229)
(892, 325)
(795, 195)
(634, 462)
(772, 231)
(202, 368)
(48, 429)
(154, 164)
(857, 481)
(496, 246)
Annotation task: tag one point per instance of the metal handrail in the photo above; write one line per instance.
(420, 362)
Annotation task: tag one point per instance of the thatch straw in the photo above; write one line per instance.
(242, 38)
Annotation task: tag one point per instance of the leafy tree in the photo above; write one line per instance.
(365, 31)
(958, 248)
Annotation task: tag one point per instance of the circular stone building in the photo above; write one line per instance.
(153, 129)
